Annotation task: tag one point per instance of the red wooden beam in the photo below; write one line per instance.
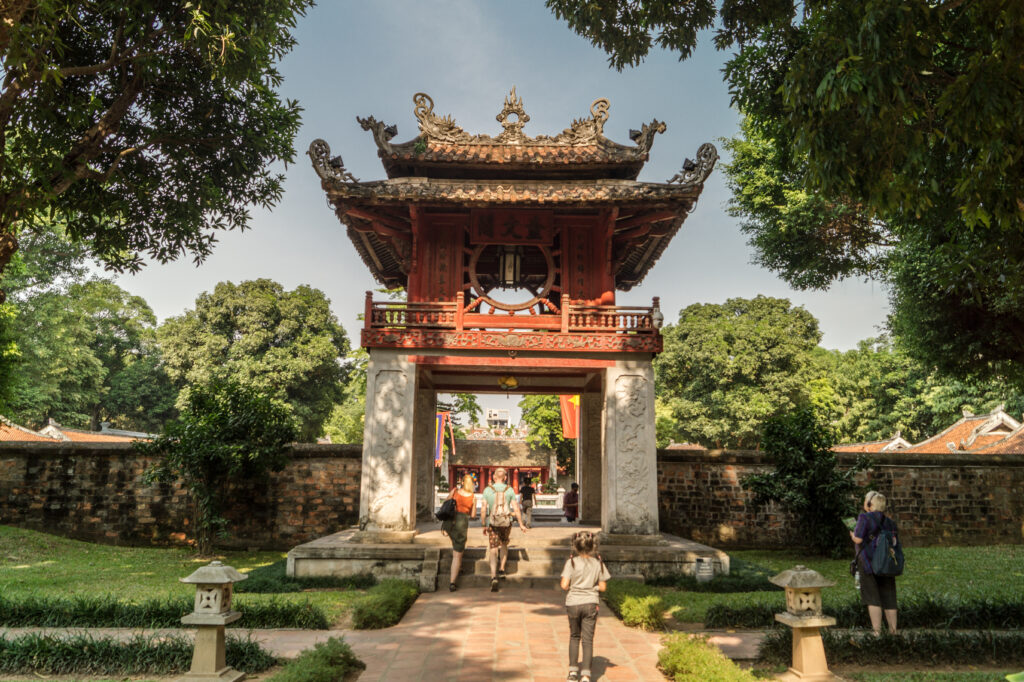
(500, 362)
(644, 219)
(383, 220)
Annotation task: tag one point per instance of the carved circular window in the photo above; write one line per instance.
(535, 272)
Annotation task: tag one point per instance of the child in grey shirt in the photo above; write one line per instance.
(583, 577)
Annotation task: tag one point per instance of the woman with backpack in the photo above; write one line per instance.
(877, 592)
(497, 513)
(458, 528)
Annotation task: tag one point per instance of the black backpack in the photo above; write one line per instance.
(887, 559)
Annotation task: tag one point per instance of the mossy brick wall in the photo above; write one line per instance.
(935, 498)
(95, 492)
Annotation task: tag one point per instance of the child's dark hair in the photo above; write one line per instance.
(583, 543)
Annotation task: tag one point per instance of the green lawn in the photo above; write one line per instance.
(962, 572)
(32, 562)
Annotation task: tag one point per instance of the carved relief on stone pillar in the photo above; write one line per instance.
(632, 442)
(388, 458)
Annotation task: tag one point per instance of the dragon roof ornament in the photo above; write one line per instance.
(513, 116)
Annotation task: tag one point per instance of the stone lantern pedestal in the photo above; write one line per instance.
(211, 613)
(803, 614)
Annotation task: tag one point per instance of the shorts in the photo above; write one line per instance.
(498, 535)
(876, 590)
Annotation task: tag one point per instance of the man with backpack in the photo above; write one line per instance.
(497, 511)
(879, 560)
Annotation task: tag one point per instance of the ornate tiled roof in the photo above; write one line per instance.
(443, 147)
(1010, 445)
(445, 168)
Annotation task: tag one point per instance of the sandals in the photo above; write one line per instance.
(501, 574)
(494, 584)
(452, 587)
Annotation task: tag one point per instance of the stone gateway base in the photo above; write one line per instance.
(535, 559)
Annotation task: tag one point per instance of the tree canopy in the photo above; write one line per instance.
(226, 431)
(285, 344)
(543, 415)
(727, 367)
(881, 139)
(145, 127)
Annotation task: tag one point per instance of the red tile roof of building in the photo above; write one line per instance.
(896, 443)
(11, 432)
(969, 433)
(1010, 445)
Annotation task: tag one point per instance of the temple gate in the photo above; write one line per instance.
(511, 250)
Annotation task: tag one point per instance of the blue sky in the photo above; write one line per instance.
(362, 58)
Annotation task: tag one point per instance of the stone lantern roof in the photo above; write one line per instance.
(801, 578)
(214, 573)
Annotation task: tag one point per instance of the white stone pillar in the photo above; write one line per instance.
(629, 504)
(424, 425)
(387, 499)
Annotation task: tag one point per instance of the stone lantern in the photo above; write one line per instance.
(211, 613)
(803, 614)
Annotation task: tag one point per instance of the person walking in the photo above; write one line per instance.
(583, 576)
(528, 494)
(877, 592)
(571, 503)
(498, 509)
(458, 528)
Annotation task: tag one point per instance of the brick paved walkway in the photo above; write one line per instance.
(516, 635)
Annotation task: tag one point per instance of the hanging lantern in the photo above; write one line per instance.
(510, 263)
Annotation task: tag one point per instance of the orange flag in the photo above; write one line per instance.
(570, 415)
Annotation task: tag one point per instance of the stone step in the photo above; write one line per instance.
(519, 568)
(516, 581)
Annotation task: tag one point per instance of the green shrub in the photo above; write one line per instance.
(383, 605)
(918, 612)
(328, 661)
(637, 605)
(932, 647)
(743, 577)
(685, 658)
(272, 579)
(85, 655)
(105, 611)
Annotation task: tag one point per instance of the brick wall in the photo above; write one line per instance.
(955, 498)
(95, 492)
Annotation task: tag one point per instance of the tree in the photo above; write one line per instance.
(145, 126)
(287, 344)
(805, 480)
(881, 389)
(87, 354)
(462, 406)
(345, 425)
(226, 431)
(543, 415)
(891, 136)
(726, 368)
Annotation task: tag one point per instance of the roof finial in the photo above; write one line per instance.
(512, 118)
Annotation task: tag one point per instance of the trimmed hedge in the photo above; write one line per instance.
(105, 611)
(635, 604)
(273, 579)
(328, 661)
(383, 605)
(86, 655)
(687, 658)
(918, 612)
(743, 577)
(932, 647)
